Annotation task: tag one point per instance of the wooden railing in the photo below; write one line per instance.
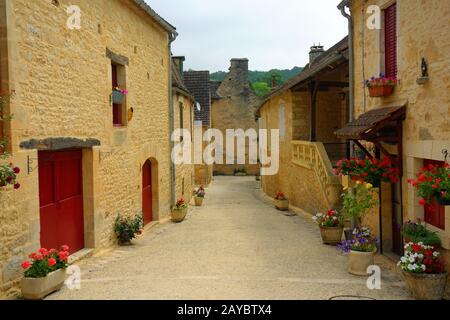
(313, 156)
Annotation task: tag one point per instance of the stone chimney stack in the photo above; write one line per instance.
(238, 74)
(274, 82)
(315, 52)
(179, 61)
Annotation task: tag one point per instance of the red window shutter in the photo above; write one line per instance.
(434, 212)
(390, 36)
(114, 75)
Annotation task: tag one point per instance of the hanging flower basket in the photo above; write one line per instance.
(433, 181)
(381, 86)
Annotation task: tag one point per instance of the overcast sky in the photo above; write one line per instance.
(270, 33)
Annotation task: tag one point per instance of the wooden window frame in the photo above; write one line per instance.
(118, 79)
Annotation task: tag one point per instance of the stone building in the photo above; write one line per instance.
(197, 82)
(184, 106)
(83, 158)
(412, 124)
(307, 110)
(234, 105)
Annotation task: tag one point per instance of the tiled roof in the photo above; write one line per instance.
(197, 82)
(214, 86)
(336, 53)
(178, 82)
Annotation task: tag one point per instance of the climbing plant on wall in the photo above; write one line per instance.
(8, 172)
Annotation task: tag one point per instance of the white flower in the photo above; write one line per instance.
(411, 259)
(410, 267)
(435, 254)
(424, 268)
(403, 260)
(420, 256)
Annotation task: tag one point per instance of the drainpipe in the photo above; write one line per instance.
(344, 4)
(172, 37)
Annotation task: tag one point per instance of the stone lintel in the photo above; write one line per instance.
(53, 144)
(117, 58)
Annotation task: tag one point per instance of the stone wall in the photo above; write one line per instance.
(236, 110)
(62, 80)
(422, 33)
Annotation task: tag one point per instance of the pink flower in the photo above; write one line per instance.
(65, 247)
(51, 262)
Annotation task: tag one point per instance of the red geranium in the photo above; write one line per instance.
(432, 182)
(45, 261)
(368, 170)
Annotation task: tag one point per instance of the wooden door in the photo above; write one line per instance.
(147, 192)
(61, 199)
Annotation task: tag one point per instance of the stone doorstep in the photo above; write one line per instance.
(80, 255)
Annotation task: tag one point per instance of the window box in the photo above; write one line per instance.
(117, 97)
(381, 91)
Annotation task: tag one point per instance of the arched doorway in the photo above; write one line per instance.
(147, 192)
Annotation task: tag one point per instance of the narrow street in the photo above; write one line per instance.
(234, 247)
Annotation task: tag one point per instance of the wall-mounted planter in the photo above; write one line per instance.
(38, 288)
(381, 91)
(117, 97)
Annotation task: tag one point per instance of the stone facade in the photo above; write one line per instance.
(62, 82)
(235, 110)
(422, 33)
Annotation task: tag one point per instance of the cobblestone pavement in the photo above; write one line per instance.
(234, 247)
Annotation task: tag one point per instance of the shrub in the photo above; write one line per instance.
(127, 228)
(417, 232)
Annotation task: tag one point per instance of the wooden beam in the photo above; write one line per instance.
(363, 148)
(313, 86)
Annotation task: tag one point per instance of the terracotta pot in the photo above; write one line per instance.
(39, 288)
(358, 262)
(199, 201)
(331, 235)
(426, 286)
(178, 215)
(381, 91)
(282, 205)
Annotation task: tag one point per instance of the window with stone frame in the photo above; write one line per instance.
(119, 81)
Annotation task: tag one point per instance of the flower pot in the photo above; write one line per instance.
(198, 201)
(331, 235)
(38, 288)
(178, 215)
(117, 97)
(426, 286)
(381, 91)
(124, 243)
(358, 262)
(348, 234)
(282, 205)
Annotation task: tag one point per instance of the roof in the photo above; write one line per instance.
(370, 122)
(335, 54)
(178, 83)
(198, 83)
(148, 10)
(214, 86)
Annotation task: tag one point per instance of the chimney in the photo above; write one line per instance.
(179, 60)
(315, 52)
(274, 82)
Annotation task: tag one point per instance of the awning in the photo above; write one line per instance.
(368, 125)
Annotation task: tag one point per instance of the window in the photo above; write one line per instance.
(390, 41)
(281, 121)
(180, 106)
(434, 212)
(118, 80)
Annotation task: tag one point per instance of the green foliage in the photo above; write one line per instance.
(417, 232)
(126, 228)
(261, 81)
(356, 203)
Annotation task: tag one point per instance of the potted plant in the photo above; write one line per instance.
(368, 170)
(424, 271)
(118, 95)
(127, 228)
(433, 182)
(361, 251)
(356, 203)
(281, 202)
(199, 195)
(330, 225)
(179, 211)
(416, 232)
(381, 86)
(45, 273)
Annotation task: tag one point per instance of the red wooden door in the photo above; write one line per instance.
(61, 199)
(147, 192)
